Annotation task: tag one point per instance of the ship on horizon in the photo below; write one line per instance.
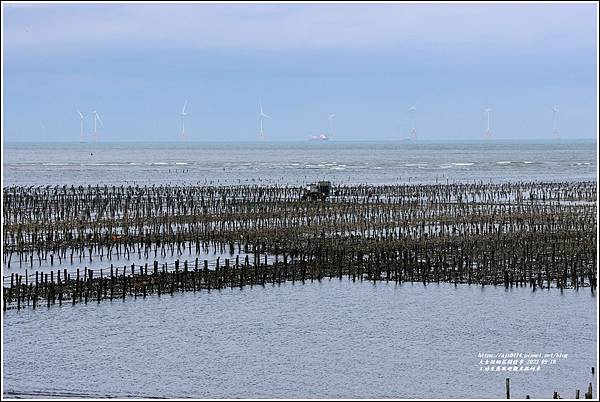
(320, 137)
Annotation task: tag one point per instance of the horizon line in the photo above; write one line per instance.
(298, 141)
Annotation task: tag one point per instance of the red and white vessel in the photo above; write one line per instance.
(320, 137)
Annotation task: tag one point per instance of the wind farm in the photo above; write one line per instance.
(94, 136)
(326, 135)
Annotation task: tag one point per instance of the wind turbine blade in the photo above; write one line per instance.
(265, 115)
(260, 106)
(100, 120)
(183, 110)
(80, 114)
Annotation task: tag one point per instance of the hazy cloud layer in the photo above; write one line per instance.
(290, 26)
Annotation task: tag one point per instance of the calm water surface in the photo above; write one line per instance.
(334, 339)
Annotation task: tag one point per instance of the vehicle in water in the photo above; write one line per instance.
(316, 191)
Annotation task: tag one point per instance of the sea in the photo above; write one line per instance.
(296, 163)
(322, 339)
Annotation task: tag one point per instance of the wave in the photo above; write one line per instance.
(104, 164)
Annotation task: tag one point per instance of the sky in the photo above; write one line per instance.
(136, 65)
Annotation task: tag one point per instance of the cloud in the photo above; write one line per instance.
(64, 27)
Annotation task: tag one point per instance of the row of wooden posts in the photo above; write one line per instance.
(63, 286)
(537, 234)
(587, 395)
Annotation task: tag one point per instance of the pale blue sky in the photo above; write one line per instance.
(367, 63)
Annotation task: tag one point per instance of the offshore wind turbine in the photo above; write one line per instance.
(183, 114)
(331, 116)
(81, 125)
(96, 121)
(262, 116)
(488, 131)
(555, 132)
(413, 131)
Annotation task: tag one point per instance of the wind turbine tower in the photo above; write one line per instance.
(81, 125)
(96, 121)
(555, 132)
(413, 131)
(331, 116)
(183, 114)
(488, 131)
(262, 116)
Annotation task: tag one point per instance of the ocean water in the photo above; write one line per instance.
(333, 339)
(329, 339)
(296, 163)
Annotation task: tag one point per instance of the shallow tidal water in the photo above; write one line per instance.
(333, 339)
(329, 339)
(297, 163)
